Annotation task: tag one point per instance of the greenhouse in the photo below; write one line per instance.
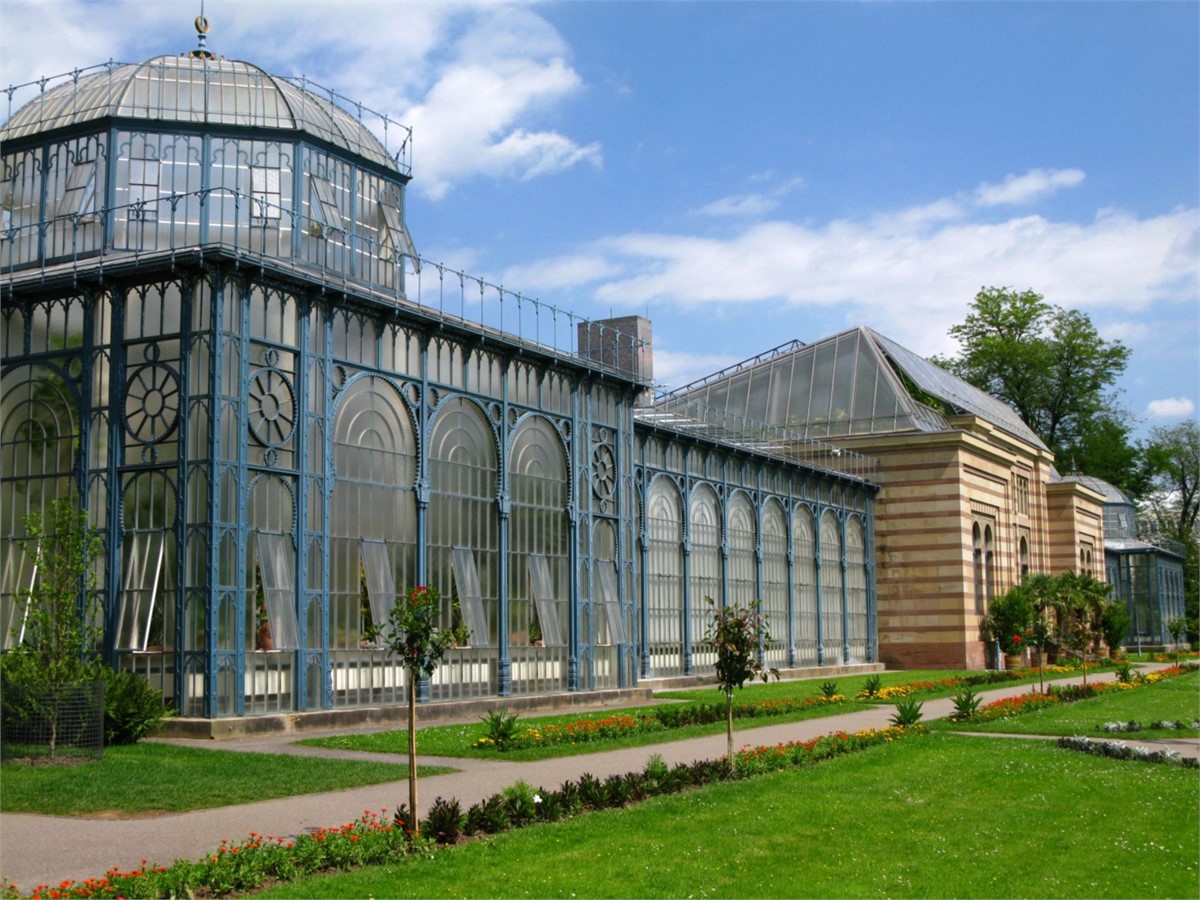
(217, 332)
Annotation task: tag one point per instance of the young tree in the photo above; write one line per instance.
(62, 638)
(413, 636)
(1049, 364)
(736, 633)
(1082, 599)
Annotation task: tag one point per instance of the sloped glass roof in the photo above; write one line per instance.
(855, 382)
(196, 90)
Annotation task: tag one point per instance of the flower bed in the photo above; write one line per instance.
(1120, 750)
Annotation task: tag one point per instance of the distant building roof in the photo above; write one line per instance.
(855, 382)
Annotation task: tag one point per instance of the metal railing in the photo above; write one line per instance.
(78, 246)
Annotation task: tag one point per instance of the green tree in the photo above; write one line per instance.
(1082, 600)
(413, 636)
(62, 637)
(1048, 363)
(1173, 507)
(737, 633)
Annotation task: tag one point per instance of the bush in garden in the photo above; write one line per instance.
(445, 821)
(908, 712)
(966, 703)
(133, 709)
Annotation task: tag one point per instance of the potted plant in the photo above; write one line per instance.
(1010, 619)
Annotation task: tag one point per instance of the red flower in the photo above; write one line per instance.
(1016, 639)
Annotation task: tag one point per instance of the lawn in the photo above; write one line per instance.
(1176, 699)
(928, 816)
(131, 779)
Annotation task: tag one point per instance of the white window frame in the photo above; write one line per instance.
(140, 588)
(276, 566)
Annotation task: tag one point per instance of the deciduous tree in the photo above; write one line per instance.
(1048, 363)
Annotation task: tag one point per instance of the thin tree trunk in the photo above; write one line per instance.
(729, 729)
(412, 753)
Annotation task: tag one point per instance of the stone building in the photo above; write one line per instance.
(969, 500)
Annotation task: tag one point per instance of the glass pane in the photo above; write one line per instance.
(381, 586)
(139, 588)
(275, 560)
(19, 574)
(466, 579)
(607, 571)
(543, 595)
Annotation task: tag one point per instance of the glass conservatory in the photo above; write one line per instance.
(218, 334)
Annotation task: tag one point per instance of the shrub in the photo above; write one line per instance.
(828, 688)
(871, 687)
(133, 709)
(966, 703)
(520, 803)
(501, 727)
(445, 821)
(908, 712)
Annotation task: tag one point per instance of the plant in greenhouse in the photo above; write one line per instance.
(737, 633)
(414, 637)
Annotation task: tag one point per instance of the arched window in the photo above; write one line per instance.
(856, 588)
(743, 566)
(664, 577)
(538, 560)
(831, 587)
(989, 564)
(704, 523)
(463, 537)
(774, 580)
(804, 586)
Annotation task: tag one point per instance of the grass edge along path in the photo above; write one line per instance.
(199, 778)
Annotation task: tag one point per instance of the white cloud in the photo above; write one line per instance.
(472, 80)
(1170, 408)
(675, 368)
(1024, 189)
(753, 205)
(910, 273)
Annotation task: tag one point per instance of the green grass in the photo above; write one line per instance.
(458, 740)
(153, 777)
(1169, 700)
(931, 816)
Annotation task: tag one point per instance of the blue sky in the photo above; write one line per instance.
(748, 173)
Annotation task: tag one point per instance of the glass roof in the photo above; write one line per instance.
(210, 91)
(856, 382)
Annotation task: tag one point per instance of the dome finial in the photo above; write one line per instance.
(201, 34)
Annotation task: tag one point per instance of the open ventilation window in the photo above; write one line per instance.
(607, 570)
(79, 197)
(276, 567)
(470, 598)
(16, 583)
(394, 240)
(543, 598)
(144, 554)
(326, 215)
(381, 584)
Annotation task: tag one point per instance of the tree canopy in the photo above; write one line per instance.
(1173, 507)
(1051, 365)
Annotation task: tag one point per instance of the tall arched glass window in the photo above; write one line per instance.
(804, 586)
(856, 588)
(372, 523)
(704, 524)
(831, 587)
(664, 577)
(538, 563)
(743, 566)
(39, 437)
(774, 580)
(463, 528)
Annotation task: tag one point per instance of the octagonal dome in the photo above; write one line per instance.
(189, 89)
